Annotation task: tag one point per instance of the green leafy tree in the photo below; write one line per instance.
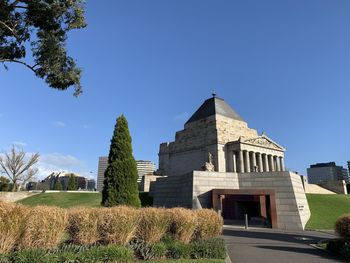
(41, 26)
(5, 184)
(57, 185)
(71, 183)
(120, 183)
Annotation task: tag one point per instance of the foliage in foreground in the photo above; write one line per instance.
(342, 226)
(166, 249)
(48, 227)
(42, 27)
(340, 247)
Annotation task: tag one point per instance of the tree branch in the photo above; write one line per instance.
(20, 62)
(12, 30)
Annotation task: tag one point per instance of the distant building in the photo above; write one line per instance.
(91, 184)
(82, 183)
(320, 172)
(143, 167)
(102, 166)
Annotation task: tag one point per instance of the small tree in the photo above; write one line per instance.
(120, 183)
(5, 184)
(57, 185)
(71, 183)
(18, 166)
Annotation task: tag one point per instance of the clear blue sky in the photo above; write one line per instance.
(284, 66)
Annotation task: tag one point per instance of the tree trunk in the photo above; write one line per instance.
(14, 187)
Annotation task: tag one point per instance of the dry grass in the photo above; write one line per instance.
(154, 224)
(209, 224)
(12, 220)
(117, 225)
(342, 226)
(183, 225)
(45, 228)
(82, 226)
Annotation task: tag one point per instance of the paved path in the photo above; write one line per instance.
(275, 246)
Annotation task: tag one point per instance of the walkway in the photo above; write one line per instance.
(275, 246)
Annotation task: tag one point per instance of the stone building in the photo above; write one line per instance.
(218, 162)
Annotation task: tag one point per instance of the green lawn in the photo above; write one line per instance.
(64, 199)
(325, 209)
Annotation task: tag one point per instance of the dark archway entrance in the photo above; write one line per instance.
(259, 205)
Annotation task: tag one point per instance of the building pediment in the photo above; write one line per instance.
(263, 141)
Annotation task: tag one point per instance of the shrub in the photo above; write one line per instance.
(154, 223)
(45, 228)
(342, 226)
(183, 224)
(211, 248)
(82, 226)
(111, 253)
(12, 220)
(176, 250)
(340, 247)
(4, 258)
(209, 224)
(147, 251)
(117, 225)
(33, 255)
(146, 199)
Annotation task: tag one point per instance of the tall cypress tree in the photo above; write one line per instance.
(120, 183)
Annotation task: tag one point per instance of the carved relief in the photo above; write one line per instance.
(264, 142)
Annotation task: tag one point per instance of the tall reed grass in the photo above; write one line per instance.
(117, 225)
(82, 225)
(12, 223)
(44, 228)
(154, 224)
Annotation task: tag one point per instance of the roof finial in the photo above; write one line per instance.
(214, 94)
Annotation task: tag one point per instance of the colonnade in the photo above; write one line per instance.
(245, 161)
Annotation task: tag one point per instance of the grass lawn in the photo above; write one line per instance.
(64, 199)
(325, 209)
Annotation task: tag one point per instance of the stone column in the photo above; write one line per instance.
(246, 162)
(260, 163)
(278, 164)
(253, 162)
(229, 165)
(234, 162)
(282, 163)
(271, 164)
(265, 163)
(241, 164)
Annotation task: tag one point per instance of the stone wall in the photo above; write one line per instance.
(338, 186)
(14, 196)
(194, 190)
(172, 191)
(190, 149)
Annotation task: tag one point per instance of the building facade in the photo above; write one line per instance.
(143, 167)
(218, 162)
(323, 172)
